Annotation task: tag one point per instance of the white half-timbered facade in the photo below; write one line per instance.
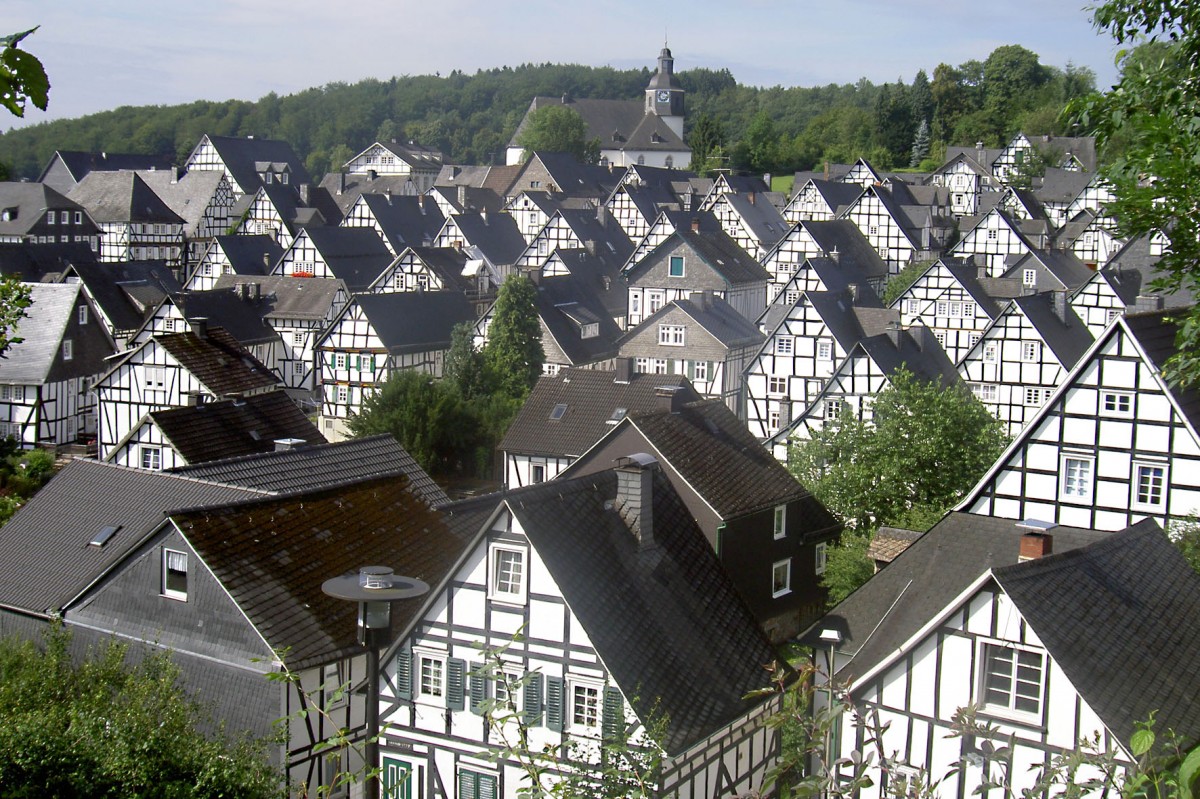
(265, 218)
(885, 226)
(951, 304)
(575, 658)
(420, 164)
(862, 173)
(1023, 356)
(819, 200)
(967, 180)
(1114, 444)
(995, 238)
(750, 220)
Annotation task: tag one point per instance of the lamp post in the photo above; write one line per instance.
(374, 588)
(831, 636)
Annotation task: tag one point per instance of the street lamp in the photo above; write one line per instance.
(830, 636)
(374, 588)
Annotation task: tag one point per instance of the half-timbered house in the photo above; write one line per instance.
(836, 239)
(576, 229)
(251, 256)
(400, 221)
(805, 341)
(66, 168)
(377, 334)
(496, 236)
(1027, 631)
(565, 414)
(46, 374)
(135, 223)
(995, 238)
(249, 163)
(967, 180)
(123, 294)
(889, 229)
(31, 213)
(281, 212)
(750, 220)
(420, 165)
(820, 200)
(1114, 444)
(956, 301)
(767, 530)
(619, 617)
(215, 431)
(1024, 355)
(356, 256)
(702, 337)
(203, 200)
(171, 371)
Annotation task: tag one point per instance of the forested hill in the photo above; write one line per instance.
(471, 117)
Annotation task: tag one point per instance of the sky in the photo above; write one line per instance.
(103, 54)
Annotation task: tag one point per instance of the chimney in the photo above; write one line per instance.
(339, 183)
(1148, 302)
(853, 291)
(388, 193)
(606, 281)
(1058, 303)
(827, 170)
(695, 224)
(462, 197)
(668, 398)
(979, 154)
(701, 299)
(602, 216)
(174, 174)
(254, 291)
(199, 327)
(834, 255)
(767, 179)
(893, 332)
(751, 197)
(590, 246)
(624, 371)
(267, 260)
(305, 194)
(635, 497)
(422, 199)
(372, 174)
(1035, 546)
(484, 216)
(289, 444)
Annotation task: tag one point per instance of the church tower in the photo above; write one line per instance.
(664, 94)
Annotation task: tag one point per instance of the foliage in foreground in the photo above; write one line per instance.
(105, 727)
(22, 77)
(22, 473)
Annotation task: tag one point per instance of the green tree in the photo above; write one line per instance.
(15, 299)
(23, 79)
(758, 149)
(513, 354)
(847, 566)
(924, 448)
(1153, 112)
(705, 137)
(107, 726)
(920, 95)
(464, 369)
(920, 146)
(894, 126)
(1012, 76)
(559, 129)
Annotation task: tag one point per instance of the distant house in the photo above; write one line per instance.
(135, 223)
(123, 294)
(67, 167)
(204, 200)
(249, 163)
(246, 255)
(399, 220)
(956, 302)
(837, 240)
(1030, 631)
(356, 256)
(419, 165)
(31, 213)
(46, 377)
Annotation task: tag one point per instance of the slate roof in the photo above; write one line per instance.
(1121, 617)
(716, 316)
(406, 221)
(1135, 256)
(287, 298)
(250, 255)
(223, 308)
(354, 255)
(666, 621)
(126, 292)
(564, 304)
(188, 195)
(1068, 339)
(241, 156)
(79, 163)
(844, 237)
(496, 235)
(1062, 186)
(218, 361)
(45, 559)
(272, 555)
(724, 463)
(894, 604)
(41, 332)
(230, 428)
(836, 193)
(575, 179)
(469, 198)
(598, 277)
(320, 466)
(415, 321)
(715, 247)
(591, 396)
(851, 321)
(26, 205)
(34, 263)
(914, 349)
(764, 221)
(602, 117)
(445, 262)
(122, 197)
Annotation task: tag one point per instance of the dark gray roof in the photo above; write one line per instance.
(250, 255)
(1156, 332)
(242, 155)
(564, 304)
(715, 247)
(34, 263)
(122, 197)
(496, 235)
(41, 332)
(591, 396)
(45, 557)
(914, 349)
(26, 204)
(849, 320)
(1136, 256)
(79, 163)
(406, 221)
(764, 220)
(717, 317)
(320, 466)
(666, 621)
(188, 195)
(355, 255)
(1121, 617)
(415, 321)
(284, 298)
(231, 428)
(1067, 336)
(225, 308)
(897, 602)
(126, 292)
(835, 192)
(575, 179)
(844, 237)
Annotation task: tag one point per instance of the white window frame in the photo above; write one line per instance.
(171, 560)
(671, 261)
(1076, 484)
(785, 345)
(781, 569)
(83, 314)
(1031, 351)
(594, 719)
(672, 335)
(498, 587)
(1029, 277)
(820, 557)
(430, 684)
(341, 395)
(150, 457)
(824, 350)
(777, 385)
(991, 352)
(779, 523)
(985, 648)
(1116, 399)
(1140, 468)
(68, 349)
(700, 371)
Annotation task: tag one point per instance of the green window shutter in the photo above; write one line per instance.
(487, 786)
(358, 362)
(468, 782)
(691, 369)
(613, 721)
(555, 712)
(479, 688)
(533, 700)
(454, 683)
(404, 675)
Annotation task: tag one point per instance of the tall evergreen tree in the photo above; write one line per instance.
(513, 354)
(920, 148)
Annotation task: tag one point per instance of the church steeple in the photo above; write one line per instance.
(664, 93)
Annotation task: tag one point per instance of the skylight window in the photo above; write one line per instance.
(617, 415)
(101, 538)
(557, 413)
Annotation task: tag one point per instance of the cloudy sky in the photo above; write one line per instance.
(102, 54)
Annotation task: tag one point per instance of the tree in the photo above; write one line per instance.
(1153, 111)
(15, 299)
(920, 147)
(894, 126)
(705, 137)
(106, 726)
(559, 129)
(22, 78)
(513, 354)
(924, 448)
(921, 97)
(463, 368)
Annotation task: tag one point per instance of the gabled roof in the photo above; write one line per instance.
(41, 332)
(413, 154)
(764, 221)
(126, 292)
(849, 320)
(250, 255)
(406, 221)
(446, 263)
(716, 316)
(45, 557)
(79, 163)
(231, 428)
(1064, 266)
(320, 465)
(415, 321)
(1136, 255)
(715, 247)
(496, 235)
(1062, 186)
(593, 399)
(24, 205)
(226, 309)
(597, 276)
(836, 193)
(897, 602)
(35, 263)
(272, 555)
(354, 255)
(243, 155)
(652, 134)
(914, 349)
(572, 178)
(1066, 336)
(218, 362)
(666, 621)
(1156, 334)
(843, 237)
(565, 305)
(1127, 600)
(285, 298)
(602, 118)
(122, 197)
(188, 195)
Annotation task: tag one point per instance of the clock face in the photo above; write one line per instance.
(663, 95)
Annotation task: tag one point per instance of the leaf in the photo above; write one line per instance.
(1141, 742)
(1189, 770)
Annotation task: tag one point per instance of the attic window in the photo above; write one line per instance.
(101, 538)
(559, 410)
(617, 415)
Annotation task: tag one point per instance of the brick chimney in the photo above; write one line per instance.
(635, 496)
(1035, 545)
(668, 398)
